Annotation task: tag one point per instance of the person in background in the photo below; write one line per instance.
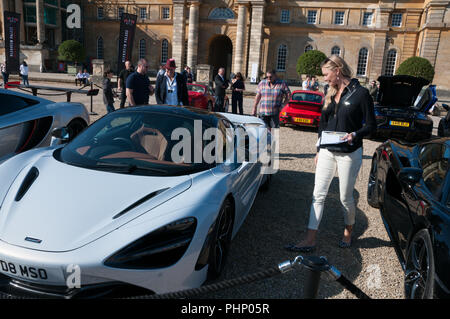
(24, 73)
(79, 78)
(237, 87)
(306, 83)
(314, 84)
(122, 81)
(162, 70)
(5, 73)
(347, 106)
(325, 89)
(171, 89)
(138, 85)
(221, 85)
(373, 90)
(108, 95)
(86, 77)
(187, 74)
(271, 95)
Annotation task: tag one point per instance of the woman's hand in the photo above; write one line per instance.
(349, 138)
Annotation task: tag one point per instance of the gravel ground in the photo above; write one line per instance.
(280, 216)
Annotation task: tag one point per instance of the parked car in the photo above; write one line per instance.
(303, 109)
(26, 121)
(410, 184)
(401, 108)
(444, 123)
(202, 96)
(115, 202)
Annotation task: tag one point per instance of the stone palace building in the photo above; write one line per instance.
(248, 36)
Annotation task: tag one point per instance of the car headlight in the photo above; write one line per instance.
(160, 248)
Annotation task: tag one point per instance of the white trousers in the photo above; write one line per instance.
(347, 165)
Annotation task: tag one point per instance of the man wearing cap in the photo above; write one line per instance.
(138, 85)
(171, 88)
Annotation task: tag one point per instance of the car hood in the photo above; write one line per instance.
(66, 207)
(399, 90)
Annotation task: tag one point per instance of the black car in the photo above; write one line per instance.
(444, 123)
(401, 108)
(410, 184)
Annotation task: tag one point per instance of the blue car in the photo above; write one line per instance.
(401, 108)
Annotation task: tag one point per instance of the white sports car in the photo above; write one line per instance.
(27, 121)
(112, 213)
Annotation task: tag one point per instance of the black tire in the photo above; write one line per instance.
(419, 274)
(76, 126)
(220, 241)
(372, 185)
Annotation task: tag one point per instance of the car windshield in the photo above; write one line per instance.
(196, 88)
(306, 97)
(140, 143)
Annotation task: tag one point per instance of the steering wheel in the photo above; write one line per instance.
(124, 141)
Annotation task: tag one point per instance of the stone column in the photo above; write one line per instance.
(40, 24)
(240, 39)
(193, 34)
(58, 30)
(377, 63)
(3, 7)
(179, 31)
(254, 63)
(19, 9)
(432, 30)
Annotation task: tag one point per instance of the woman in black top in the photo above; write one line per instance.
(237, 88)
(108, 95)
(349, 109)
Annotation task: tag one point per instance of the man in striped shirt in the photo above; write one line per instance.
(271, 95)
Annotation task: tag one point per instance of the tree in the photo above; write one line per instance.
(71, 51)
(309, 62)
(416, 66)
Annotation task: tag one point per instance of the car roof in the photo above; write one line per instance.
(25, 95)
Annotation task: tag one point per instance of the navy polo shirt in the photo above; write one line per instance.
(140, 85)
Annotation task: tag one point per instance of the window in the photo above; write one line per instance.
(367, 18)
(221, 14)
(281, 58)
(142, 49)
(312, 16)
(143, 13)
(434, 159)
(285, 16)
(120, 11)
(164, 51)
(391, 60)
(308, 48)
(339, 17)
(30, 13)
(165, 14)
(50, 15)
(100, 48)
(336, 50)
(362, 62)
(396, 20)
(12, 103)
(100, 13)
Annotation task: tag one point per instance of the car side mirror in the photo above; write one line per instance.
(62, 133)
(410, 175)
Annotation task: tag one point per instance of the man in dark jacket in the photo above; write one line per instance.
(122, 81)
(221, 85)
(171, 88)
(108, 95)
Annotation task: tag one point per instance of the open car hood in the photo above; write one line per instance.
(400, 91)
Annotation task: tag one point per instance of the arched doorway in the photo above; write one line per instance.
(220, 54)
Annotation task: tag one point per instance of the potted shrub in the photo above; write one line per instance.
(416, 66)
(71, 51)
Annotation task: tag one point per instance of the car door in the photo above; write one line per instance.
(13, 133)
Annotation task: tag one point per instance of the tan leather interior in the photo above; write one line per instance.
(152, 140)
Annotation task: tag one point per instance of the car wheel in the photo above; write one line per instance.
(75, 127)
(441, 128)
(265, 186)
(221, 240)
(372, 185)
(210, 106)
(419, 275)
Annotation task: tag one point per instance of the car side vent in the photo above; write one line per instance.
(27, 182)
(139, 202)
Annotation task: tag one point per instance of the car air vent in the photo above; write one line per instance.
(139, 202)
(27, 182)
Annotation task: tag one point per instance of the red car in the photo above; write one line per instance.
(303, 109)
(202, 96)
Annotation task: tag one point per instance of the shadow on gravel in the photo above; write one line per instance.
(286, 156)
(280, 216)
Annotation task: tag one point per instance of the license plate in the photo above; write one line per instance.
(396, 123)
(30, 272)
(302, 120)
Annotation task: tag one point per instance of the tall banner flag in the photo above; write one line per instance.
(127, 31)
(12, 41)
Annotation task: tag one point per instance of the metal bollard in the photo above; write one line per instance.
(314, 267)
